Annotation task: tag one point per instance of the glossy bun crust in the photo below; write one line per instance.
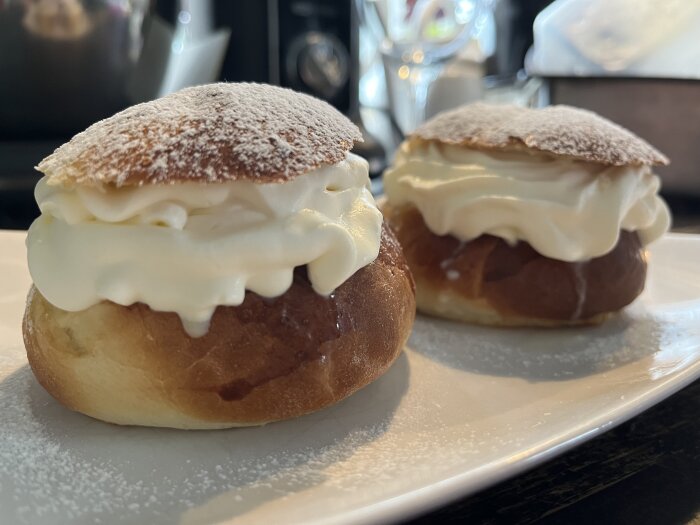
(487, 281)
(262, 361)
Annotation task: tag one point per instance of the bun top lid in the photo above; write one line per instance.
(558, 130)
(210, 134)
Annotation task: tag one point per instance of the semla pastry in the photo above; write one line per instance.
(525, 217)
(212, 259)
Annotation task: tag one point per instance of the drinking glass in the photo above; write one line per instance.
(416, 38)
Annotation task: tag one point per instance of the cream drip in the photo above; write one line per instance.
(565, 209)
(190, 247)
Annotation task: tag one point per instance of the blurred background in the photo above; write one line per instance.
(387, 64)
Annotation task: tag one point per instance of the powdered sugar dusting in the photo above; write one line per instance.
(581, 288)
(561, 130)
(539, 354)
(66, 468)
(210, 133)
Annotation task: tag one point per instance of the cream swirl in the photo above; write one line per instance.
(565, 209)
(189, 247)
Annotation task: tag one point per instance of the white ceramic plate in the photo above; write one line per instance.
(463, 408)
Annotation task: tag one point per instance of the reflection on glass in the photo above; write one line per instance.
(417, 38)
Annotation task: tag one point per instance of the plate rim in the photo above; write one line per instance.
(449, 490)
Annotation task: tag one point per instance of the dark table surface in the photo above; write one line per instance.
(645, 471)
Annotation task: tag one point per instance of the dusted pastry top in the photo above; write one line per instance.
(559, 130)
(189, 247)
(211, 133)
(565, 209)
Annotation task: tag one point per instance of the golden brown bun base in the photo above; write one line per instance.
(262, 361)
(487, 281)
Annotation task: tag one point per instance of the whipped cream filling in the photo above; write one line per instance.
(565, 209)
(190, 247)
